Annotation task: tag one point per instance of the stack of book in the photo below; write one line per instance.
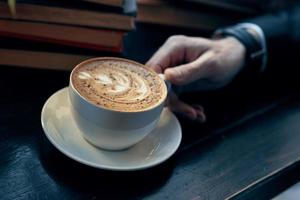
(58, 34)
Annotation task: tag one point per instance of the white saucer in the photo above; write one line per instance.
(62, 132)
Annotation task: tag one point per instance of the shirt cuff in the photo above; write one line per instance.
(261, 38)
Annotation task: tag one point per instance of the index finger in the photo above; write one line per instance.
(169, 54)
(160, 60)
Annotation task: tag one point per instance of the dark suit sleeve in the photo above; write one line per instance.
(282, 33)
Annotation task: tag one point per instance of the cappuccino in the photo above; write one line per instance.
(119, 84)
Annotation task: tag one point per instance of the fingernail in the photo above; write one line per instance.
(167, 73)
(198, 107)
(201, 117)
(191, 115)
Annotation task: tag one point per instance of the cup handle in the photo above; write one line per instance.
(168, 83)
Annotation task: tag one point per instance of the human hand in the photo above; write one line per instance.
(212, 63)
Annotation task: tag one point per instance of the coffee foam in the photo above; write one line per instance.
(119, 85)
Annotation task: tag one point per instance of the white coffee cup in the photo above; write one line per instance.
(110, 129)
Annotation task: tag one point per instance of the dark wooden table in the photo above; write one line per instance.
(248, 149)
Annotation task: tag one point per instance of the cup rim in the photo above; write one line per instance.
(114, 110)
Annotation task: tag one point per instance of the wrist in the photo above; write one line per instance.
(252, 39)
(233, 40)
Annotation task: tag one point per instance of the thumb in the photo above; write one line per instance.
(186, 73)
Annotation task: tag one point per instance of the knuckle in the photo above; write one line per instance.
(175, 39)
(175, 42)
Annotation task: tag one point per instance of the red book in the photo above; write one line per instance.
(97, 39)
(68, 16)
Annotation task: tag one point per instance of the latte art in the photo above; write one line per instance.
(116, 84)
(119, 85)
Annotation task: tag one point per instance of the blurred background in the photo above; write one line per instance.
(57, 34)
